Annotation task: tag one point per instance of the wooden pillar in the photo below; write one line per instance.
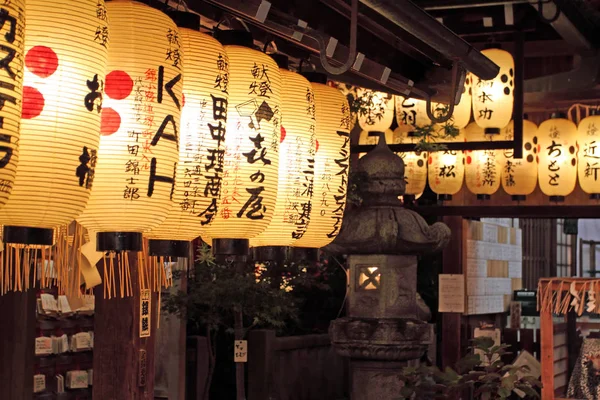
(547, 353)
(123, 362)
(260, 363)
(452, 264)
(17, 344)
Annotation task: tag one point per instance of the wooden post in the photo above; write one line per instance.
(547, 353)
(123, 362)
(17, 344)
(452, 264)
(260, 359)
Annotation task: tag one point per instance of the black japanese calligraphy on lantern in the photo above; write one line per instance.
(303, 217)
(86, 169)
(93, 100)
(591, 159)
(222, 78)
(258, 153)
(554, 152)
(10, 37)
(489, 168)
(173, 50)
(486, 113)
(261, 85)
(253, 208)
(509, 177)
(447, 171)
(340, 198)
(101, 35)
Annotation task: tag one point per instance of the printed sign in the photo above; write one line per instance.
(240, 351)
(145, 313)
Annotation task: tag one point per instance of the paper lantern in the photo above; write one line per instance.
(446, 170)
(11, 89)
(249, 185)
(135, 172)
(411, 112)
(201, 145)
(493, 99)
(483, 167)
(557, 149)
(415, 163)
(331, 167)
(292, 213)
(519, 176)
(376, 113)
(65, 65)
(588, 156)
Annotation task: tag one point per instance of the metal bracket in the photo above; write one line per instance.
(458, 74)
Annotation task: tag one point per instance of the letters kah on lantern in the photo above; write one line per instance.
(340, 198)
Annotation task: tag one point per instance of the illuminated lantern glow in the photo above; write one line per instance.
(201, 145)
(446, 169)
(483, 167)
(377, 113)
(331, 167)
(135, 172)
(588, 156)
(461, 116)
(11, 89)
(292, 212)
(251, 165)
(519, 176)
(411, 112)
(65, 58)
(557, 150)
(64, 73)
(493, 99)
(415, 163)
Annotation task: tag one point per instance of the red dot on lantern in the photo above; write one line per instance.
(118, 85)
(282, 135)
(33, 102)
(430, 160)
(42, 61)
(316, 145)
(537, 159)
(111, 121)
(469, 160)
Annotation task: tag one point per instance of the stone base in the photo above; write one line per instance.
(375, 380)
(397, 339)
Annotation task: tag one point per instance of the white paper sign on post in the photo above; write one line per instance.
(145, 321)
(452, 293)
(240, 351)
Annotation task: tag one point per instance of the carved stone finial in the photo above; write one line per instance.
(381, 225)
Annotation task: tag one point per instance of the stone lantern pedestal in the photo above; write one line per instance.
(385, 327)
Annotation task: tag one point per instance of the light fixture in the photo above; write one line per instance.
(298, 142)
(201, 142)
(411, 112)
(63, 76)
(493, 99)
(135, 173)
(557, 168)
(519, 176)
(376, 111)
(415, 163)
(588, 156)
(332, 162)
(446, 169)
(251, 163)
(482, 167)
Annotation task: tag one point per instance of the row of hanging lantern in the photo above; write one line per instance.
(136, 127)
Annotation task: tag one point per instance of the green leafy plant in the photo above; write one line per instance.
(486, 377)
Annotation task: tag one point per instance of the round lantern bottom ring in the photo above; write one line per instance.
(557, 199)
(119, 241)
(483, 197)
(231, 247)
(518, 197)
(310, 254)
(28, 236)
(595, 196)
(270, 253)
(169, 248)
(444, 197)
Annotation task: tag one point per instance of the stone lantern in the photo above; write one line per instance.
(385, 325)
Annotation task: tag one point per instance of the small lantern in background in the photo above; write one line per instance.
(332, 160)
(65, 64)
(483, 168)
(135, 173)
(377, 110)
(493, 99)
(557, 149)
(201, 143)
(446, 170)
(292, 212)
(11, 90)
(519, 176)
(251, 164)
(588, 158)
(411, 112)
(415, 163)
